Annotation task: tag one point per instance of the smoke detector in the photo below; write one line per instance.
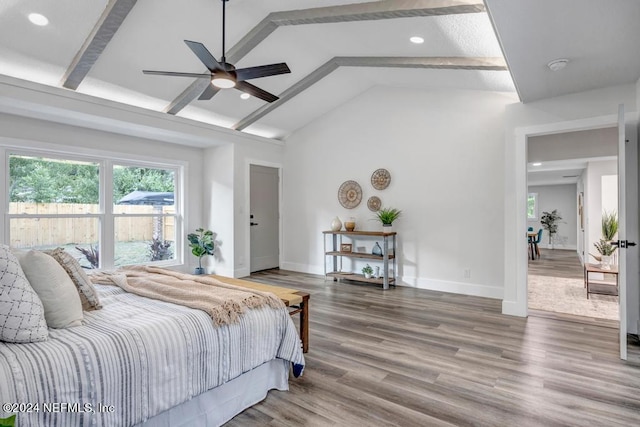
(558, 64)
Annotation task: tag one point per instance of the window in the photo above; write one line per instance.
(532, 206)
(105, 212)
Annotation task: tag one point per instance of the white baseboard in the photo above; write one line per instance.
(565, 247)
(226, 272)
(303, 268)
(241, 272)
(513, 308)
(474, 289)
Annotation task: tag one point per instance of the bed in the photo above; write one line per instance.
(142, 361)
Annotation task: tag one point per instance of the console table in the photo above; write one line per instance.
(603, 287)
(335, 254)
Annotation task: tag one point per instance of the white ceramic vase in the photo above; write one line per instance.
(336, 224)
(605, 262)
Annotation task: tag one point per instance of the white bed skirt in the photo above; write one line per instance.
(217, 406)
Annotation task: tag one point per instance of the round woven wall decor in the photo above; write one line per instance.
(374, 203)
(350, 194)
(380, 179)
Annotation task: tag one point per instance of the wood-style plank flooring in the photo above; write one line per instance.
(557, 263)
(410, 357)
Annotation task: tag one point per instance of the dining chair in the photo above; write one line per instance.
(537, 240)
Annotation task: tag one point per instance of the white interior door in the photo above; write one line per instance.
(264, 218)
(622, 228)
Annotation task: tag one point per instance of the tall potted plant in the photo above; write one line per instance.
(549, 221)
(201, 243)
(609, 225)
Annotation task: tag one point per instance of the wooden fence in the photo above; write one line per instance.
(39, 232)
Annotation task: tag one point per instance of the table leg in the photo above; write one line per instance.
(304, 323)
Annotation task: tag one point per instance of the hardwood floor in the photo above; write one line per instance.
(410, 357)
(557, 263)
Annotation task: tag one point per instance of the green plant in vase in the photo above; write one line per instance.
(609, 225)
(386, 216)
(367, 270)
(549, 221)
(201, 243)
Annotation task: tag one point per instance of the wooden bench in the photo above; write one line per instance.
(297, 301)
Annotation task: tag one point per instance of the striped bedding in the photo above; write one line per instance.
(136, 358)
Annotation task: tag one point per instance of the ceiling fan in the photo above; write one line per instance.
(224, 75)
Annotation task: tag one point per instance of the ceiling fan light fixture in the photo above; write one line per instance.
(558, 64)
(223, 81)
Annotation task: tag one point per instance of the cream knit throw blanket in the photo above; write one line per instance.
(223, 302)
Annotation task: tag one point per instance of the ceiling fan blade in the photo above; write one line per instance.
(256, 91)
(262, 71)
(176, 74)
(208, 92)
(204, 55)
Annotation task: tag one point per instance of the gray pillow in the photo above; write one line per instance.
(88, 293)
(21, 311)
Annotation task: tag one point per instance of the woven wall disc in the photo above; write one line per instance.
(380, 179)
(350, 194)
(374, 203)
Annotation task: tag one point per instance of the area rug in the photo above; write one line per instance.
(562, 295)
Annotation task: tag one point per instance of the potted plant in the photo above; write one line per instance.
(606, 250)
(201, 244)
(549, 221)
(367, 270)
(609, 225)
(386, 216)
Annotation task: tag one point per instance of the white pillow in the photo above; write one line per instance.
(21, 313)
(59, 296)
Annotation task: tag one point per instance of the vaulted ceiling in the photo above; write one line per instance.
(336, 49)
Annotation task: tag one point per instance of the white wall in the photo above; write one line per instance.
(444, 150)
(226, 200)
(585, 110)
(563, 198)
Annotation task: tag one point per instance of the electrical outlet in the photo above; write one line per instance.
(467, 273)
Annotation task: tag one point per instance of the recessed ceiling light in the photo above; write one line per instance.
(536, 164)
(416, 39)
(558, 64)
(245, 96)
(38, 19)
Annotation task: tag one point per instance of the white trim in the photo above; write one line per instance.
(105, 160)
(518, 306)
(303, 268)
(29, 99)
(475, 289)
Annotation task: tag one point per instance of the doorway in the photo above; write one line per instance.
(264, 217)
(574, 175)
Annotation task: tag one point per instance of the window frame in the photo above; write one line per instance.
(106, 216)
